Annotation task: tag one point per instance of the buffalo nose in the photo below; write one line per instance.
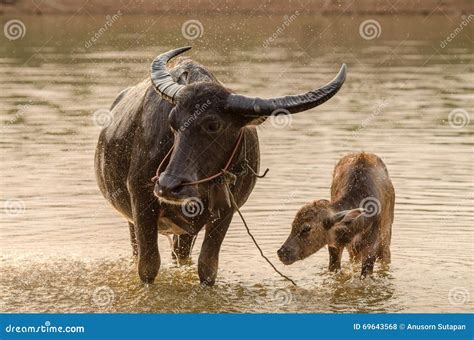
(169, 185)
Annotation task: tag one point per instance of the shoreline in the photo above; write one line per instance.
(242, 7)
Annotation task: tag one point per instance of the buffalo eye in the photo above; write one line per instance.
(212, 126)
(305, 229)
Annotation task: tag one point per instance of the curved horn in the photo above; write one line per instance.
(257, 107)
(162, 81)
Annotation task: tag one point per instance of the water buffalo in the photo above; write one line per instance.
(191, 127)
(359, 216)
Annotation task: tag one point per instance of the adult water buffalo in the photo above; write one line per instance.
(198, 139)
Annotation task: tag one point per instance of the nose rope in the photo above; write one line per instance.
(158, 171)
(220, 173)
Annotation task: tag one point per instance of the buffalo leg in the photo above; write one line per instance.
(182, 246)
(368, 265)
(133, 238)
(145, 220)
(335, 255)
(209, 256)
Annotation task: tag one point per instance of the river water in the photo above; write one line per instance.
(406, 98)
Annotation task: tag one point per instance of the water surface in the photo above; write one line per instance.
(63, 249)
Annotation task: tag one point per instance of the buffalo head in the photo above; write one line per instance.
(206, 120)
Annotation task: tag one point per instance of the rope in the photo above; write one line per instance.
(252, 237)
(224, 172)
(207, 179)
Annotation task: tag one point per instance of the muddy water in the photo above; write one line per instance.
(64, 250)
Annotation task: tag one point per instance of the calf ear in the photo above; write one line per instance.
(347, 216)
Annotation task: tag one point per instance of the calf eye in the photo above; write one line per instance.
(305, 230)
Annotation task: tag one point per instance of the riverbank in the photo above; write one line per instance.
(248, 7)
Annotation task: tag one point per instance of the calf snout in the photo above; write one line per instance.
(286, 255)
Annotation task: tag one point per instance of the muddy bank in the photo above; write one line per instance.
(251, 7)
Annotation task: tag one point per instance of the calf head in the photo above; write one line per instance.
(206, 120)
(312, 229)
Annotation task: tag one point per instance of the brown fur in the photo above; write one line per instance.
(341, 223)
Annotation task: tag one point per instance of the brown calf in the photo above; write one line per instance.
(359, 216)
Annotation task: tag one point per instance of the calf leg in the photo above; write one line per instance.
(209, 256)
(385, 255)
(182, 246)
(133, 239)
(335, 254)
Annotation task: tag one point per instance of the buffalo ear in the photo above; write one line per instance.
(183, 78)
(347, 216)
